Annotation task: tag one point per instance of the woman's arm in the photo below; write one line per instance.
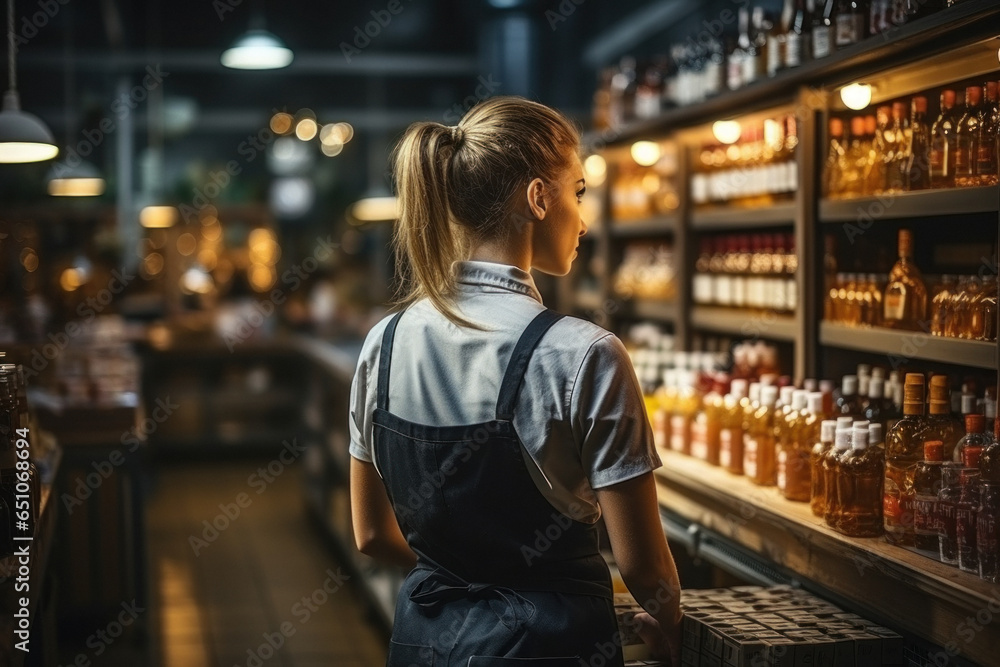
(644, 560)
(375, 529)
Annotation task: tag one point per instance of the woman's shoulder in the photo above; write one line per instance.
(582, 338)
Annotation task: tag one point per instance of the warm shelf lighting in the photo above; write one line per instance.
(596, 169)
(375, 209)
(158, 217)
(645, 153)
(257, 49)
(727, 131)
(306, 129)
(83, 180)
(856, 96)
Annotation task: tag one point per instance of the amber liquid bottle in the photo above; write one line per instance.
(903, 450)
(794, 457)
(833, 508)
(967, 139)
(905, 297)
(759, 456)
(974, 439)
(817, 494)
(862, 470)
(731, 433)
(919, 168)
(943, 143)
(939, 424)
(927, 485)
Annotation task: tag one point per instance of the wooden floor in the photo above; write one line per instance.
(226, 595)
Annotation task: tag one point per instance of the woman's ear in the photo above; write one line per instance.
(536, 198)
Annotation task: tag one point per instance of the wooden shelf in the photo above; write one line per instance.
(750, 323)
(654, 226)
(904, 345)
(925, 37)
(954, 201)
(733, 217)
(892, 585)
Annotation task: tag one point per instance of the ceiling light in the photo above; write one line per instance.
(645, 153)
(305, 129)
(727, 131)
(856, 96)
(81, 180)
(257, 49)
(596, 169)
(157, 217)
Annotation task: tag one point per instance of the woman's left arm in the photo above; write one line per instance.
(376, 531)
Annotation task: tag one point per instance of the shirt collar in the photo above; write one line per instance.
(503, 276)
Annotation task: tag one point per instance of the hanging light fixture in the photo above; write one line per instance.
(258, 48)
(73, 176)
(23, 136)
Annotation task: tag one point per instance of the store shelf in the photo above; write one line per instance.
(732, 217)
(922, 38)
(654, 226)
(892, 585)
(904, 345)
(955, 201)
(750, 323)
(653, 309)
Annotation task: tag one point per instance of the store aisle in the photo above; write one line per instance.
(255, 577)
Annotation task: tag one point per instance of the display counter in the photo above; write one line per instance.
(910, 593)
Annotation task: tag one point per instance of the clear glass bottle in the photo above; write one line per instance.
(850, 23)
(919, 169)
(903, 449)
(848, 403)
(861, 476)
(940, 304)
(905, 296)
(823, 29)
(966, 510)
(983, 311)
(974, 438)
(927, 485)
(877, 179)
(939, 424)
(820, 450)
(967, 139)
(989, 132)
(942, 155)
(987, 542)
(897, 145)
(951, 492)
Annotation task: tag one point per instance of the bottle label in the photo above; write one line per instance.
(680, 434)
(699, 438)
(782, 470)
(985, 159)
(986, 535)
(898, 510)
(849, 28)
(774, 49)
(965, 534)
(793, 49)
(750, 457)
(894, 306)
(822, 41)
(949, 529)
(964, 155)
(925, 516)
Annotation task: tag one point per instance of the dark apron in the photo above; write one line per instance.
(501, 575)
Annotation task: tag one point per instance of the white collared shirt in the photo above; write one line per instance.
(580, 415)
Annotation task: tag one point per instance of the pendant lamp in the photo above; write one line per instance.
(258, 48)
(23, 136)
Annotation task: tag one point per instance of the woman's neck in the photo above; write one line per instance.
(513, 251)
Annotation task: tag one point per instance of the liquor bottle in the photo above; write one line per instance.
(684, 412)
(974, 439)
(848, 403)
(877, 176)
(822, 32)
(875, 405)
(951, 491)
(817, 491)
(897, 144)
(966, 509)
(758, 445)
(856, 160)
(649, 92)
(942, 155)
(861, 477)
(989, 133)
(832, 508)
(793, 453)
(902, 452)
(905, 296)
(835, 160)
(850, 25)
(878, 16)
(798, 43)
(731, 433)
(875, 436)
(623, 86)
(919, 169)
(708, 423)
(967, 136)
(983, 313)
(777, 38)
(940, 304)
(939, 424)
(739, 52)
(987, 542)
(927, 485)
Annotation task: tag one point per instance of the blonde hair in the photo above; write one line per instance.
(460, 185)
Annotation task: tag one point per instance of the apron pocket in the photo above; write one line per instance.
(409, 655)
(484, 661)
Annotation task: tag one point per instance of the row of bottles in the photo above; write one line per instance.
(638, 193)
(758, 168)
(892, 151)
(20, 491)
(739, 48)
(647, 271)
(960, 306)
(747, 271)
(847, 465)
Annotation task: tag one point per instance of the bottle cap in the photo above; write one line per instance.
(975, 423)
(755, 392)
(968, 404)
(843, 438)
(905, 243)
(826, 386)
(878, 371)
(844, 422)
(933, 450)
(849, 385)
(913, 389)
(815, 402)
(799, 399)
(857, 126)
(971, 456)
(836, 127)
(859, 435)
(876, 387)
(864, 370)
(990, 409)
(809, 384)
(785, 394)
(769, 395)
(875, 434)
(973, 96)
(828, 430)
(738, 388)
(948, 99)
(919, 104)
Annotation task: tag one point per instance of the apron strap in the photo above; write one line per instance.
(514, 376)
(384, 359)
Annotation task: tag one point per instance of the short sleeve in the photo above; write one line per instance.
(609, 417)
(363, 394)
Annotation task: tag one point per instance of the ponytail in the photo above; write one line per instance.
(459, 185)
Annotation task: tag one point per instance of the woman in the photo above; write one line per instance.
(503, 431)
